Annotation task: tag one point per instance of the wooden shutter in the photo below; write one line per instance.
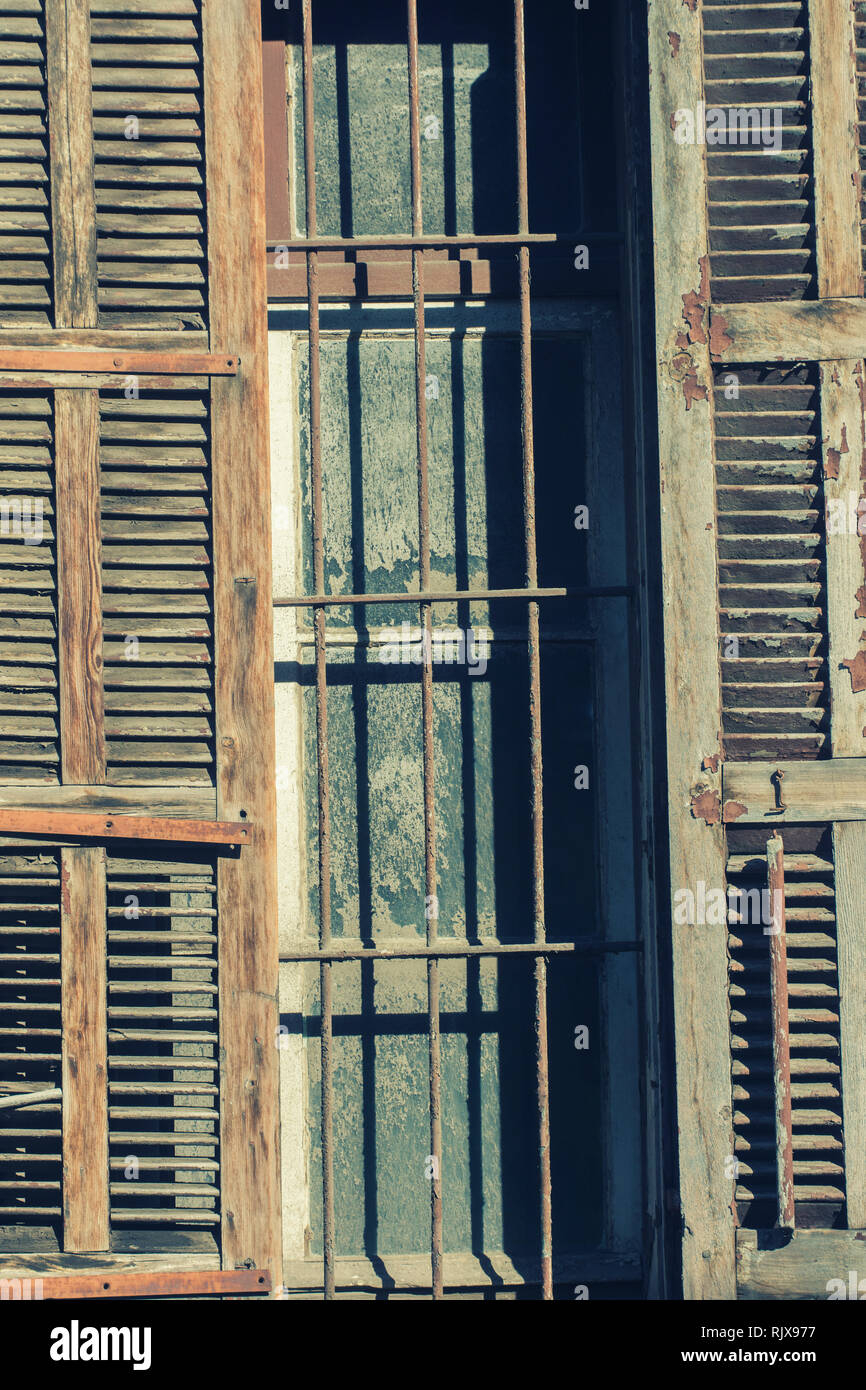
(138, 967)
(761, 325)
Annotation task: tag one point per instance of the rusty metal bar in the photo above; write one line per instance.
(430, 899)
(534, 654)
(326, 1004)
(29, 821)
(397, 242)
(185, 1283)
(47, 359)
(781, 1035)
(454, 595)
(446, 951)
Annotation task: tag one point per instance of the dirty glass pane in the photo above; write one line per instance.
(466, 80)
(481, 735)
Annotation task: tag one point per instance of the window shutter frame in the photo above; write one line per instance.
(241, 806)
(693, 334)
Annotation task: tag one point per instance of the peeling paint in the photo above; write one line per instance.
(732, 811)
(834, 456)
(720, 340)
(693, 391)
(856, 668)
(705, 805)
(710, 763)
(674, 40)
(691, 5)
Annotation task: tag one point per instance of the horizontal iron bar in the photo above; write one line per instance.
(442, 950)
(149, 1283)
(388, 242)
(431, 239)
(134, 363)
(74, 823)
(452, 596)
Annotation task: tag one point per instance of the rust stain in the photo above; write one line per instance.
(674, 40)
(856, 668)
(732, 810)
(720, 340)
(693, 391)
(710, 763)
(705, 806)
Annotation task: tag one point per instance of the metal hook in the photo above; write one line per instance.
(776, 779)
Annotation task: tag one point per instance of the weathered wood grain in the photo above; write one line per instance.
(244, 688)
(806, 330)
(835, 153)
(692, 680)
(843, 443)
(800, 1268)
(73, 200)
(831, 790)
(84, 1065)
(79, 584)
(849, 857)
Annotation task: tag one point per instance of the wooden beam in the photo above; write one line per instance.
(128, 363)
(831, 790)
(849, 858)
(84, 1014)
(109, 340)
(217, 832)
(801, 1268)
(168, 803)
(805, 330)
(73, 197)
(835, 152)
(243, 665)
(163, 1284)
(79, 585)
(692, 679)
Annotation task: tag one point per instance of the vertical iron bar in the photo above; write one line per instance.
(534, 653)
(781, 1034)
(327, 1026)
(430, 901)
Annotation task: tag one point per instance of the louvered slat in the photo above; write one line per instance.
(761, 208)
(148, 153)
(771, 562)
(28, 654)
(25, 241)
(30, 1172)
(819, 1170)
(154, 451)
(162, 1043)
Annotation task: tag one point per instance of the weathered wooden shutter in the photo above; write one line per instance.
(138, 967)
(761, 326)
